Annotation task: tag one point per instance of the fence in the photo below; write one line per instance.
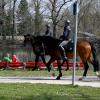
(16, 47)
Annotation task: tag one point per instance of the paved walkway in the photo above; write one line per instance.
(89, 81)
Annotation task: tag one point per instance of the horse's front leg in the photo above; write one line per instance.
(36, 62)
(49, 63)
(43, 59)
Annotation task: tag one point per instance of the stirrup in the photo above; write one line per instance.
(64, 58)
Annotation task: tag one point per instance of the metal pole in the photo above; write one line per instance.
(75, 41)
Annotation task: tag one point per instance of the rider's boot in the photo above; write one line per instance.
(63, 54)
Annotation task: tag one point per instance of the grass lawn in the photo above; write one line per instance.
(47, 92)
(27, 91)
(26, 73)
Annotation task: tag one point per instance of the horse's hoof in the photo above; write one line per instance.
(67, 69)
(80, 79)
(58, 78)
(53, 74)
(49, 69)
(98, 76)
(34, 68)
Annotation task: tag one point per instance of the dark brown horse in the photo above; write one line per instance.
(49, 45)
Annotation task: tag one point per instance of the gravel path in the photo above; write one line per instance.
(89, 81)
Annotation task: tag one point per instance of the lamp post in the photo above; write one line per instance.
(75, 13)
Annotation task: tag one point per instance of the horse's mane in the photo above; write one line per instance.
(50, 42)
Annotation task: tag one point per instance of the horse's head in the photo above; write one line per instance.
(28, 39)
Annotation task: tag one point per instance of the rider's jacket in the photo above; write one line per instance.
(66, 32)
(48, 32)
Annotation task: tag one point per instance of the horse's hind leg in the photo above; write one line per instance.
(86, 67)
(60, 73)
(95, 61)
(67, 65)
(96, 67)
(59, 68)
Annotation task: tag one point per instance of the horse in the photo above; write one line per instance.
(49, 46)
(87, 53)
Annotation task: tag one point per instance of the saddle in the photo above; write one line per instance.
(70, 46)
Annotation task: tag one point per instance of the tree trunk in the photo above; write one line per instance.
(54, 31)
(13, 25)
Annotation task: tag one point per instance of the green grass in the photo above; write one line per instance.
(47, 92)
(41, 73)
(44, 91)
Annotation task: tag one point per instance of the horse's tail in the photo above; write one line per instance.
(95, 59)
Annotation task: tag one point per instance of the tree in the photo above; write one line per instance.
(8, 26)
(56, 9)
(38, 16)
(2, 17)
(13, 19)
(24, 18)
(7, 17)
(89, 16)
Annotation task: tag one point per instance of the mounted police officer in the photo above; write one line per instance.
(41, 45)
(48, 30)
(65, 39)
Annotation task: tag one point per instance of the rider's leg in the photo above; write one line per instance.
(63, 54)
(62, 50)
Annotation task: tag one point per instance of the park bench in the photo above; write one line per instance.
(42, 66)
(3, 65)
(64, 67)
(79, 65)
(15, 65)
(31, 65)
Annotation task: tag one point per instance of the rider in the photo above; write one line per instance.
(66, 32)
(48, 31)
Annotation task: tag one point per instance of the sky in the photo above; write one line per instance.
(69, 5)
(44, 0)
